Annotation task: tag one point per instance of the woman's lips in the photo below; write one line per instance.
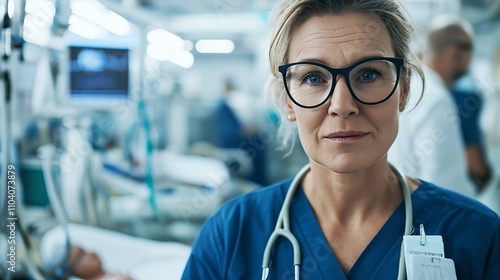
(346, 136)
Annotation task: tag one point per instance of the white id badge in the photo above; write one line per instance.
(432, 247)
(424, 258)
(431, 268)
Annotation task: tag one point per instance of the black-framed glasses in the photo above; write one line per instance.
(371, 81)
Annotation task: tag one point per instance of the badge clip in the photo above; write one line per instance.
(423, 237)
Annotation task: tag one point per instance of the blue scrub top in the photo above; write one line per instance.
(231, 243)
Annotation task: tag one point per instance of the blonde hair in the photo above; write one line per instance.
(289, 14)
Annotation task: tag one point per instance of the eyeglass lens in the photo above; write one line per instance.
(371, 81)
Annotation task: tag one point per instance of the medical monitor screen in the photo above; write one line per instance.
(98, 75)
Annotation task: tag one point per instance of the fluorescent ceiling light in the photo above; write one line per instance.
(215, 46)
(98, 14)
(90, 10)
(115, 24)
(181, 57)
(83, 28)
(165, 39)
(166, 46)
(157, 52)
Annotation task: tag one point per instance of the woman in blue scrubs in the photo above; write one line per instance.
(341, 74)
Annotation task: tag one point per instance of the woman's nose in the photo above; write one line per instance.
(342, 103)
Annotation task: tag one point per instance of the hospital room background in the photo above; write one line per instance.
(126, 123)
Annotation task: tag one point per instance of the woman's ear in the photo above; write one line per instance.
(289, 110)
(405, 92)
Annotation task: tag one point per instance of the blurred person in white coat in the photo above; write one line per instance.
(429, 144)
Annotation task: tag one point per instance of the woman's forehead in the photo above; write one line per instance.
(347, 34)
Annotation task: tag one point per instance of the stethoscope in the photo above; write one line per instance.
(283, 225)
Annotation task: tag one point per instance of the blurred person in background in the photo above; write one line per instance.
(236, 126)
(429, 145)
(233, 118)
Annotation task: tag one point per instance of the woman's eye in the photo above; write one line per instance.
(313, 79)
(369, 75)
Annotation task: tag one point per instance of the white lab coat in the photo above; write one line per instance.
(429, 145)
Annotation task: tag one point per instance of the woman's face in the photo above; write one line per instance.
(343, 134)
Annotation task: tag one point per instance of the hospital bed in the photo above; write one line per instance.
(102, 189)
(128, 201)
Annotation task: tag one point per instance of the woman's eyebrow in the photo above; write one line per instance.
(322, 61)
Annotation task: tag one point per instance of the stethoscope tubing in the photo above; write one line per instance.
(283, 228)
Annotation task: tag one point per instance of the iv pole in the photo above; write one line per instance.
(5, 122)
(22, 241)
